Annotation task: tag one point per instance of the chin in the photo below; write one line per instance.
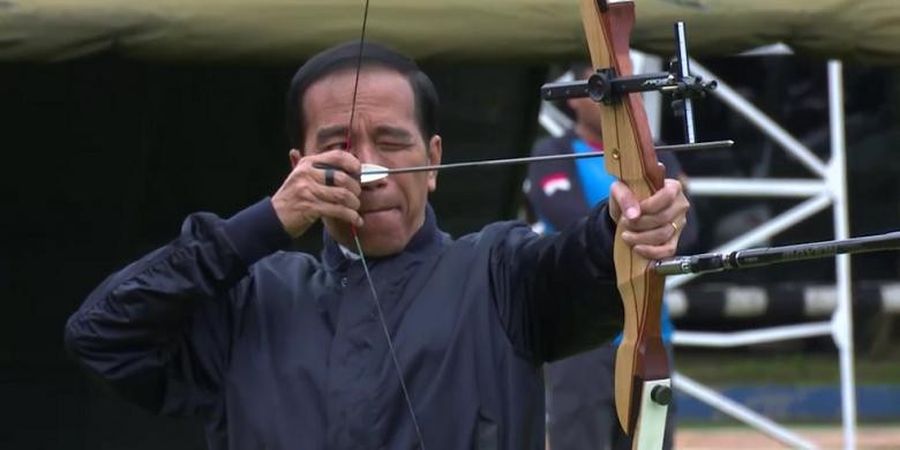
(377, 238)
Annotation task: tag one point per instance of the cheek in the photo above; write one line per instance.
(415, 191)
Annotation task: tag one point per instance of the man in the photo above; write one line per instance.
(281, 350)
(581, 388)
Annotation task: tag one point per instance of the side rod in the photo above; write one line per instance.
(755, 257)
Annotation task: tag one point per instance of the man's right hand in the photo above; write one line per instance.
(304, 198)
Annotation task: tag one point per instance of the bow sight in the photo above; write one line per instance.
(605, 86)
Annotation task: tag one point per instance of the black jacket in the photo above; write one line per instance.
(277, 350)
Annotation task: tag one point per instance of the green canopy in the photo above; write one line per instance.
(279, 31)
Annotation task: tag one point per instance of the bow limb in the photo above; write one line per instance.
(641, 360)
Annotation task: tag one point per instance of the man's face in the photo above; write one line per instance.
(385, 132)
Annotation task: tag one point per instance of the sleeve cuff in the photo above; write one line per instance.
(256, 232)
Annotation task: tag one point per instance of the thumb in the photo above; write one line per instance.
(625, 200)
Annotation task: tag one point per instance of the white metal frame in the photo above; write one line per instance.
(827, 188)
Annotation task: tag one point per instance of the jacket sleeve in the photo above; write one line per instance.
(556, 294)
(158, 331)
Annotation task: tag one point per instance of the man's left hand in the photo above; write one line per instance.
(653, 225)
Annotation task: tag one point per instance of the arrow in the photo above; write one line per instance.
(374, 172)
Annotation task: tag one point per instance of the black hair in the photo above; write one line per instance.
(345, 56)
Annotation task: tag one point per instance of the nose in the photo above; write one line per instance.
(372, 173)
(368, 157)
(374, 184)
(363, 150)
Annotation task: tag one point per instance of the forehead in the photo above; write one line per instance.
(381, 93)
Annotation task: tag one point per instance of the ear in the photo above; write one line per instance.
(434, 158)
(295, 156)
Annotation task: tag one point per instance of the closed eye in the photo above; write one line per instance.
(394, 145)
(338, 145)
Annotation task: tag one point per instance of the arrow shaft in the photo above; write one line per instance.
(531, 159)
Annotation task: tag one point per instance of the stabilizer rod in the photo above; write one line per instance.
(755, 257)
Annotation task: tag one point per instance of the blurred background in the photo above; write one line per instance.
(118, 120)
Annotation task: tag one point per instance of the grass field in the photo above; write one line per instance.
(760, 367)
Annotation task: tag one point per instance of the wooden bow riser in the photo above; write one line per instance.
(630, 157)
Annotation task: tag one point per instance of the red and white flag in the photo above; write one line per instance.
(555, 182)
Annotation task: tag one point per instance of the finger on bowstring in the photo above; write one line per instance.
(331, 176)
(339, 159)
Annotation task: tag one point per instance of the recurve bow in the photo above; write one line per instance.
(642, 367)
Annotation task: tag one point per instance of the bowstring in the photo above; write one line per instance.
(387, 334)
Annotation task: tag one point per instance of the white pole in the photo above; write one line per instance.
(843, 315)
(752, 187)
(763, 122)
(739, 412)
(751, 337)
